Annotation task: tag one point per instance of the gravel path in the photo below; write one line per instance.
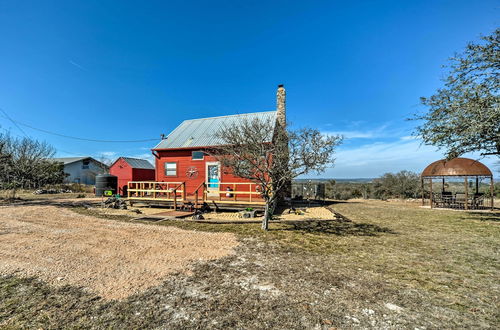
(113, 259)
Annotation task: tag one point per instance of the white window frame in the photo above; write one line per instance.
(167, 169)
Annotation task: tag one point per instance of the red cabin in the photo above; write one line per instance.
(182, 157)
(185, 172)
(131, 169)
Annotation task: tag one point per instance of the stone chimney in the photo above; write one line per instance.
(281, 105)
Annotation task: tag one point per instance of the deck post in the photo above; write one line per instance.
(184, 191)
(175, 200)
(234, 189)
(466, 204)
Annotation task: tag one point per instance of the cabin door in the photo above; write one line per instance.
(213, 178)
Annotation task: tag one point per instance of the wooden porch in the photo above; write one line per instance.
(175, 194)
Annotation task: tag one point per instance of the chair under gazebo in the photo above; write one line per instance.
(458, 169)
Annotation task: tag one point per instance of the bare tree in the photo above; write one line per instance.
(271, 156)
(24, 163)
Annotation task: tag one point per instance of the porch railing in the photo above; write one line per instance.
(225, 192)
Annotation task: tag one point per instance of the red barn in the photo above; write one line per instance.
(131, 169)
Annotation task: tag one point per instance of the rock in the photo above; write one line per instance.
(355, 320)
(368, 311)
(393, 307)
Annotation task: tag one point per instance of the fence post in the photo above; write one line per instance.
(492, 191)
(466, 204)
(430, 191)
(423, 192)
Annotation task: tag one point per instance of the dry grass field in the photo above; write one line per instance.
(385, 265)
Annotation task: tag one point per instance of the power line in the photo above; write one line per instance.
(15, 122)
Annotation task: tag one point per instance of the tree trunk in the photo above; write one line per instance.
(267, 216)
(268, 213)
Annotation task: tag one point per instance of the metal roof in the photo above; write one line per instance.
(68, 160)
(456, 167)
(201, 132)
(138, 163)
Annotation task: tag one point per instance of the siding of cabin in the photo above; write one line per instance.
(183, 158)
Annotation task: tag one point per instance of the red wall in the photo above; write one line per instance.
(125, 173)
(184, 161)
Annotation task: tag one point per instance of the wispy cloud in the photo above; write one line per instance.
(108, 154)
(377, 132)
(146, 156)
(408, 138)
(77, 65)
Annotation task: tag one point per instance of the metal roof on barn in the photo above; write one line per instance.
(138, 163)
(68, 160)
(201, 132)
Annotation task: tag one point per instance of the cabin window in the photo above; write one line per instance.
(197, 155)
(85, 164)
(170, 169)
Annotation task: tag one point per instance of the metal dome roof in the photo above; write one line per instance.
(456, 167)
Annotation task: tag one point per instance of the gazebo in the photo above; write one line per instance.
(457, 169)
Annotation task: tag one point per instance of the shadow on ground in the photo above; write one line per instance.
(337, 227)
(483, 216)
(47, 202)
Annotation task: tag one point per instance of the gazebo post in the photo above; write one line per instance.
(442, 188)
(423, 191)
(477, 185)
(466, 204)
(430, 189)
(492, 190)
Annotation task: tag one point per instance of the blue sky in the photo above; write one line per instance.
(126, 70)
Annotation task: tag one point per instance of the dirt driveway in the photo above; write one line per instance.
(110, 258)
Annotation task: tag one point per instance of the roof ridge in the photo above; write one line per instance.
(133, 158)
(234, 115)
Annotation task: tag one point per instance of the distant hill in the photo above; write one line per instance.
(353, 180)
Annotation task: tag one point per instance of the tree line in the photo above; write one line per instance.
(404, 184)
(401, 185)
(25, 164)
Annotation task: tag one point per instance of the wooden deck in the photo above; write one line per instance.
(174, 194)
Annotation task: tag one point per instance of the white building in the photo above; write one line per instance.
(82, 169)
